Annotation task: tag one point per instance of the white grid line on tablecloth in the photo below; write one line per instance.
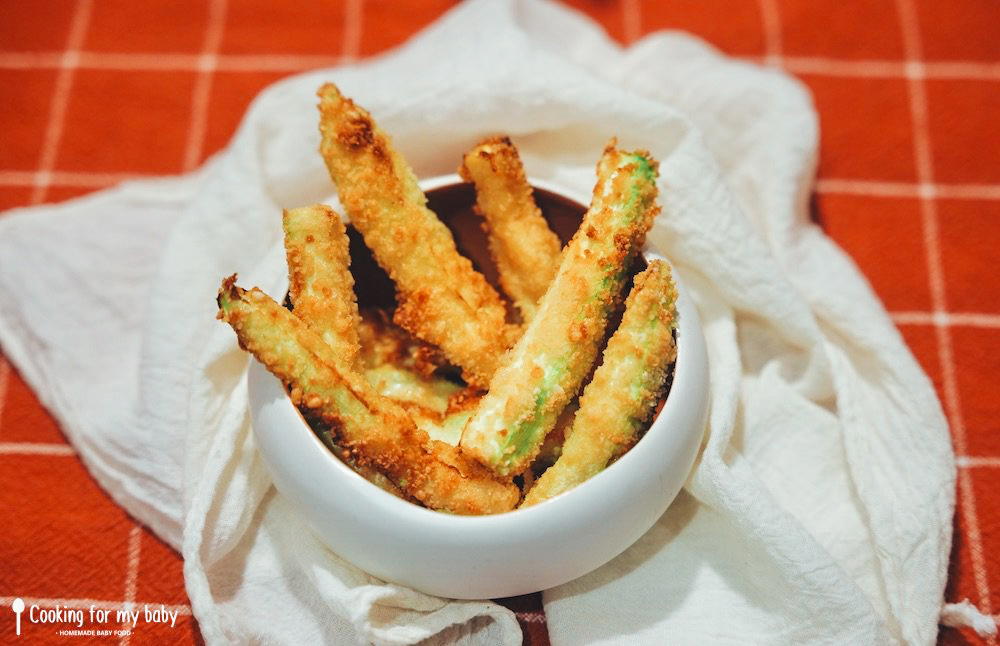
(631, 21)
(82, 179)
(928, 190)
(950, 319)
(531, 617)
(910, 27)
(36, 448)
(169, 61)
(60, 99)
(771, 26)
(251, 63)
(889, 69)
(972, 462)
(201, 93)
(131, 578)
(824, 186)
(353, 15)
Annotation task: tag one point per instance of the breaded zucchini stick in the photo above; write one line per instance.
(372, 428)
(623, 393)
(441, 298)
(402, 368)
(320, 285)
(544, 370)
(525, 249)
(321, 289)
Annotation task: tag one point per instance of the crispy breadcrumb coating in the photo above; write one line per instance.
(405, 370)
(372, 429)
(320, 285)
(621, 397)
(524, 248)
(441, 298)
(383, 343)
(546, 367)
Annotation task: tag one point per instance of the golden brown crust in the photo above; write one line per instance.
(525, 249)
(545, 369)
(371, 429)
(625, 388)
(320, 284)
(384, 343)
(442, 299)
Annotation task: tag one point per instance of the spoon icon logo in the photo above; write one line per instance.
(18, 607)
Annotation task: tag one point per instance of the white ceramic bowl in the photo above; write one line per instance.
(476, 557)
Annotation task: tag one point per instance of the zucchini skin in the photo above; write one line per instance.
(624, 391)
(371, 429)
(544, 370)
(441, 298)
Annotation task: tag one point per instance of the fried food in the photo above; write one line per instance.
(404, 369)
(544, 370)
(384, 396)
(371, 428)
(552, 446)
(441, 298)
(525, 249)
(321, 290)
(320, 285)
(383, 343)
(619, 400)
(401, 367)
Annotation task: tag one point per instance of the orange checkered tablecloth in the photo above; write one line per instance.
(908, 94)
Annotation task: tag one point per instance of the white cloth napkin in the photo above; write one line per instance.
(820, 510)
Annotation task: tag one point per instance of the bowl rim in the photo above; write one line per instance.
(683, 388)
